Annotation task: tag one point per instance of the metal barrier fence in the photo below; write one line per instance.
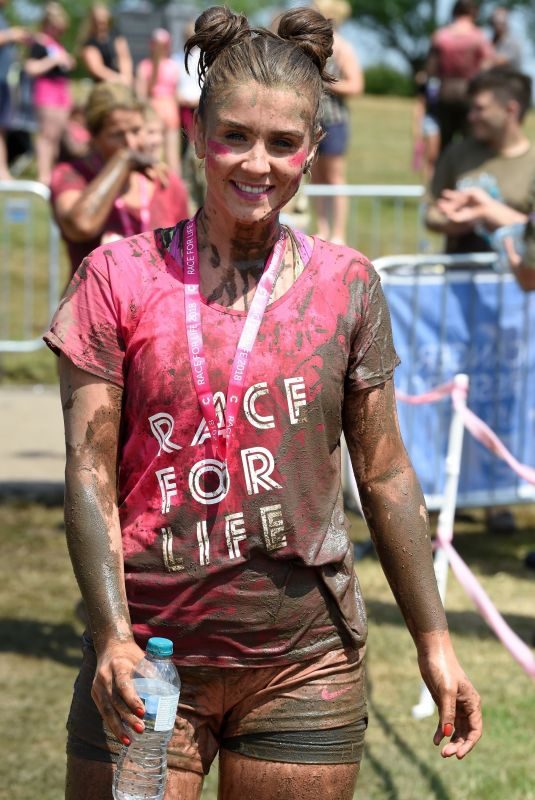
(454, 314)
(382, 219)
(29, 268)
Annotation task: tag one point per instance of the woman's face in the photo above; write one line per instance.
(101, 20)
(122, 129)
(255, 141)
(154, 138)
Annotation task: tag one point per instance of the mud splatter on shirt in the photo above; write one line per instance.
(257, 569)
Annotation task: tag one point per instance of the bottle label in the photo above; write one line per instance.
(160, 709)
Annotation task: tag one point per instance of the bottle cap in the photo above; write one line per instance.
(158, 646)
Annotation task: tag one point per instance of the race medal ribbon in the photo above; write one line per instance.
(192, 311)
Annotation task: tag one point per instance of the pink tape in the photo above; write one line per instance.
(429, 397)
(481, 431)
(518, 649)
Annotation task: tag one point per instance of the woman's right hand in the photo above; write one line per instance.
(113, 688)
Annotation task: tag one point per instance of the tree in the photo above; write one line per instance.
(406, 26)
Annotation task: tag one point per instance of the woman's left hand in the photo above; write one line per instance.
(459, 705)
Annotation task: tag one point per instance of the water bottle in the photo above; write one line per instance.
(142, 767)
(513, 232)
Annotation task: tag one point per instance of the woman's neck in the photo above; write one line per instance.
(243, 248)
(232, 258)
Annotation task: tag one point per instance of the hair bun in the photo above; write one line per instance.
(310, 31)
(216, 29)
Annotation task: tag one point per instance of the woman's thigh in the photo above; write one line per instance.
(92, 780)
(253, 779)
(88, 780)
(52, 121)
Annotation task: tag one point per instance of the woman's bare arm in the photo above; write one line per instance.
(92, 414)
(351, 81)
(124, 60)
(395, 511)
(96, 67)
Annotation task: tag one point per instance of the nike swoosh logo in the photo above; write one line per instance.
(327, 695)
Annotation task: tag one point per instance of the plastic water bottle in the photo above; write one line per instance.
(516, 234)
(142, 767)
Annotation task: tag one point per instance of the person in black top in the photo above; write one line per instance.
(105, 54)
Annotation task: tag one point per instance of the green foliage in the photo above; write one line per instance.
(382, 79)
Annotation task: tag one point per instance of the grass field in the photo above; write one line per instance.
(39, 645)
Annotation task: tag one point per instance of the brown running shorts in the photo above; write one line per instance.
(313, 712)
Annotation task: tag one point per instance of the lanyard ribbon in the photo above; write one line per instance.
(192, 312)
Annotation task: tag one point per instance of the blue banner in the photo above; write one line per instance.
(482, 324)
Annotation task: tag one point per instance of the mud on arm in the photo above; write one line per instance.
(394, 507)
(92, 414)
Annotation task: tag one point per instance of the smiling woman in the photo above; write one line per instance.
(208, 371)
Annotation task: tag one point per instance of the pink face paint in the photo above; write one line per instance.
(298, 159)
(217, 148)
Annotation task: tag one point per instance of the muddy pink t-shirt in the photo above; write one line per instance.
(258, 572)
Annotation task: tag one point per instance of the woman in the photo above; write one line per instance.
(226, 529)
(49, 64)
(330, 165)
(118, 189)
(458, 52)
(105, 53)
(157, 83)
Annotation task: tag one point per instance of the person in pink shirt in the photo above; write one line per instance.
(117, 188)
(157, 82)
(458, 52)
(49, 64)
(208, 371)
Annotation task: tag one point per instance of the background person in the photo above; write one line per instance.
(485, 181)
(329, 166)
(9, 37)
(507, 48)
(425, 127)
(253, 579)
(458, 52)
(157, 83)
(497, 160)
(115, 191)
(104, 52)
(49, 64)
(154, 134)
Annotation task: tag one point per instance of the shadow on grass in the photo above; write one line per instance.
(462, 623)
(485, 553)
(28, 637)
(489, 553)
(436, 791)
(383, 773)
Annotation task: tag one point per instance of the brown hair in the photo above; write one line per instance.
(505, 84)
(55, 14)
(231, 51)
(105, 98)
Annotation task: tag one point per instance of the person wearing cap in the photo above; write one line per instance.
(157, 83)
